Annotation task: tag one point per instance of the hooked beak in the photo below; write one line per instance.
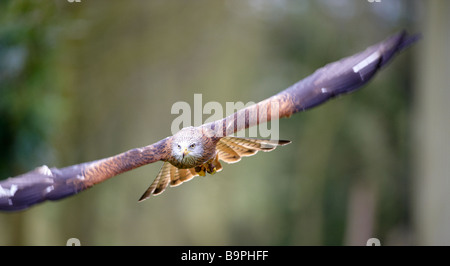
(185, 152)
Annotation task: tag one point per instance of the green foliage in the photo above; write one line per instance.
(27, 91)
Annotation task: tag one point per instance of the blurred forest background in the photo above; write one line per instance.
(83, 81)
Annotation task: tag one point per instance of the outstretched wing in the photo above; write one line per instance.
(232, 149)
(343, 76)
(46, 183)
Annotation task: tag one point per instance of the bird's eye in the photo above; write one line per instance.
(192, 145)
(178, 145)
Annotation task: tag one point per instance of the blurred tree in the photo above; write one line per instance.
(24, 85)
(432, 127)
(27, 94)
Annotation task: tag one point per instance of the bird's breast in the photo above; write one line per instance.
(186, 162)
(191, 161)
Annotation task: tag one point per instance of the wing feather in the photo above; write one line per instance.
(46, 183)
(343, 76)
(185, 175)
(231, 149)
(160, 183)
(182, 175)
(175, 177)
(164, 178)
(226, 153)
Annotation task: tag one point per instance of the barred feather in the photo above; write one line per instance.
(231, 149)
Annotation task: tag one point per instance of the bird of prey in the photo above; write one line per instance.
(198, 150)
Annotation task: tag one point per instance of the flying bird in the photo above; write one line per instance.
(198, 150)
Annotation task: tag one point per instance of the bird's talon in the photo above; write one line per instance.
(212, 171)
(202, 172)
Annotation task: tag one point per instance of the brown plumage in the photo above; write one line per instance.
(213, 149)
(196, 150)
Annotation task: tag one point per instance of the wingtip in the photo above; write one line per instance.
(145, 196)
(142, 198)
(409, 39)
(284, 142)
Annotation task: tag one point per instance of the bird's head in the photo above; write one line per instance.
(187, 146)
